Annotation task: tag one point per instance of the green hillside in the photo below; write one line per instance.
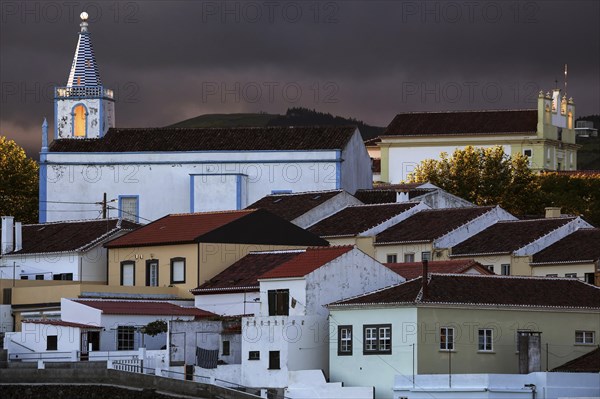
(293, 117)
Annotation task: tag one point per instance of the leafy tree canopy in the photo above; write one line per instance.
(18, 183)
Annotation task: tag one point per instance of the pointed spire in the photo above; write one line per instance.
(84, 70)
(45, 136)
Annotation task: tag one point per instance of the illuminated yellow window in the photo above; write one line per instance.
(570, 120)
(79, 120)
(78, 80)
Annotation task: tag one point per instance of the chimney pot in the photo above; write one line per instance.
(18, 236)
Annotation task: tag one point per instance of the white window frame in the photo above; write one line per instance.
(485, 341)
(426, 255)
(409, 255)
(391, 258)
(585, 337)
(447, 338)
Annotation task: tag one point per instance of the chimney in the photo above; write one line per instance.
(552, 212)
(424, 279)
(7, 243)
(18, 236)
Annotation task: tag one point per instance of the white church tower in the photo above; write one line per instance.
(84, 108)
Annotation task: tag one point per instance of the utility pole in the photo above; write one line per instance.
(104, 207)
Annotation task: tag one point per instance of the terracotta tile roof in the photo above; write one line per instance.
(355, 219)
(463, 122)
(430, 224)
(243, 274)
(580, 246)
(307, 262)
(249, 226)
(588, 363)
(508, 236)
(412, 270)
(487, 290)
(62, 323)
(212, 139)
(71, 235)
(144, 308)
(291, 206)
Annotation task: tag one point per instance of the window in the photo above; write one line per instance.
(27, 278)
(409, 258)
(129, 207)
(128, 273)
(485, 339)
(279, 302)
(489, 267)
(559, 133)
(177, 270)
(589, 278)
(447, 338)
(63, 276)
(125, 338)
(152, 273)
(377, 339)
(226, 346)
(505, 269)
(551, 275)
(79, 120)
(274, 360)
(426, 255)
(584, 337)
(571, 275)
(344, 340)
(254, 355)
(52, 342)
(392, 258)
(527, 152)
(39, 276)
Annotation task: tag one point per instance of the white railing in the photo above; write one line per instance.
(130, 365)
(83, 91)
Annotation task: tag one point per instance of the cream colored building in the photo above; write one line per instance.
(459, 324)
(546, 135)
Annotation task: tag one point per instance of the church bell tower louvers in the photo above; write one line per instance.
(83, 108)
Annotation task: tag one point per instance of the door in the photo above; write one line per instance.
(84, 355)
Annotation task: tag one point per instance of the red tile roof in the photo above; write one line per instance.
(291, 206)
(355, 219)
(588, 363)
(430, 224)
(212, 139)
(144, 308)
(508, 236)
(243, 275)
(71, 235)
(581, 246)
(481, 290)
(412, 270)
(307, 262)
(249, 226)
(62, 323)
(463, 122)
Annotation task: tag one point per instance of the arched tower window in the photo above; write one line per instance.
(79, 120)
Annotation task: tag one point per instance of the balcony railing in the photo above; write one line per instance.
(82, 92)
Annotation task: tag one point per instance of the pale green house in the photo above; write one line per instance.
(459, 324)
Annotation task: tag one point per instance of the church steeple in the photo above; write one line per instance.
(83, 108)
(84, 71)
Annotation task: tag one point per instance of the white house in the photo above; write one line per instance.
(70, 250)
(148, 173)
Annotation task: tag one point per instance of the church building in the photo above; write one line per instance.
(92, 168)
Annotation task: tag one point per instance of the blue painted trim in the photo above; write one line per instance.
(191, 193)
(338, 170)
(55, 119)
(238, 192)
(137, 210)
(73, 119)
(218, 174)
(186, 162)
(101, 119)
(43, 186)
(281, 191)
(45, 136)
(85, 98)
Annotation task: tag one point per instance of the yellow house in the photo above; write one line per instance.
(506, 247)
(576, 256)
(546, 135)
(461, 324)
(182, 251)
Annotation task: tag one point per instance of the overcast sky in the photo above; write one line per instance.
(172, 60)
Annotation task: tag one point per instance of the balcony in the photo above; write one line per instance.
(83, 92)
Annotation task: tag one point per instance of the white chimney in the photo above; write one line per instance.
(553, 212)
(7, 243)
(18, 236)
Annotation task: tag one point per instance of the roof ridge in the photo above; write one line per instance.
(460, 208)
(537, 219)
(236, 127)
(375, 291)
(468, 221)
(381, 204)
(71, 221)
(469, 111)
(500, 276)
(213, 212)
(305, 192)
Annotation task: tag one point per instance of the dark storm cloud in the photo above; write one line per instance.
(172, 60)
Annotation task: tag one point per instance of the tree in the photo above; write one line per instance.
(18, 183)
(484, 176)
